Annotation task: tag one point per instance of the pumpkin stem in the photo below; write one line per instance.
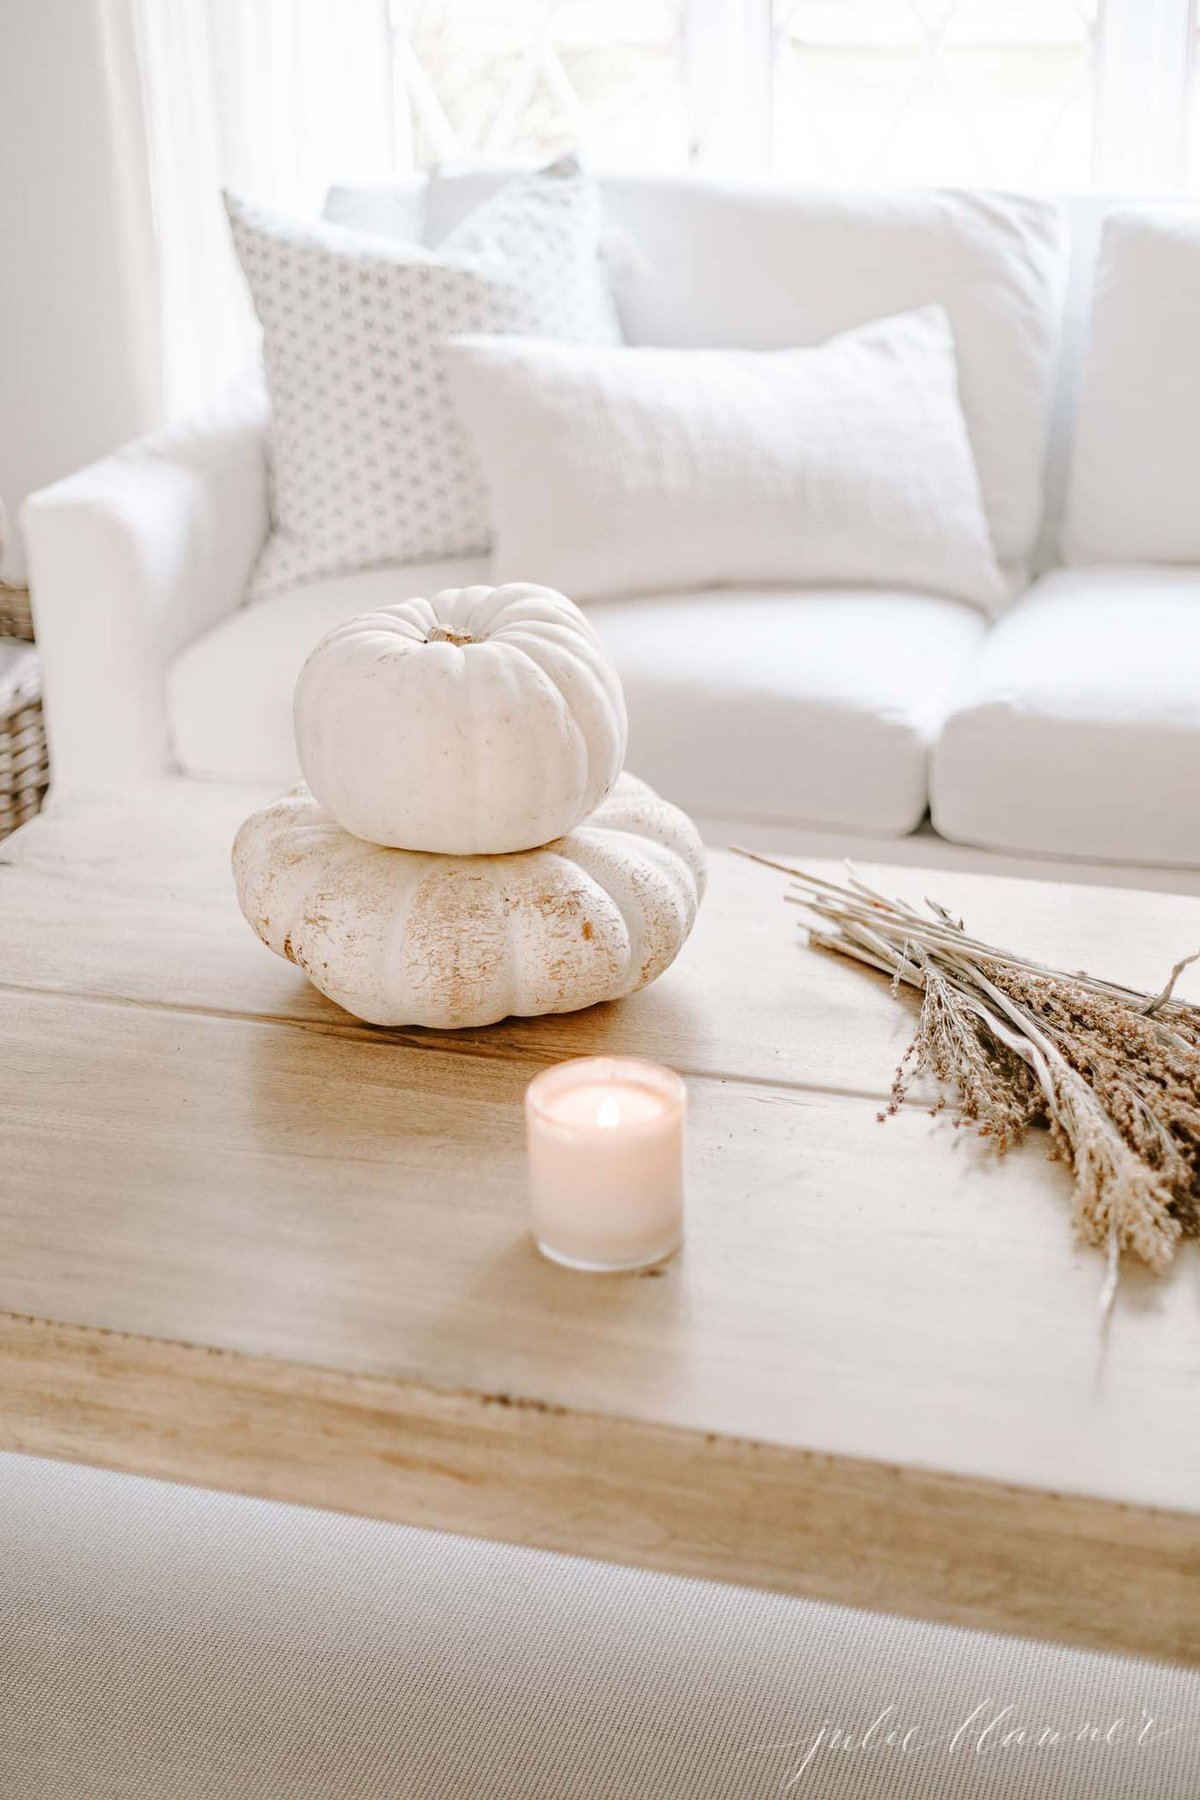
(441, 635)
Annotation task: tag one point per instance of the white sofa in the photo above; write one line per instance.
(1069, 729)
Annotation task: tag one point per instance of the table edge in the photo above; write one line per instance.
(952, 1549)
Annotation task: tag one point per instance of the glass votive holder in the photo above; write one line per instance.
(605, 1140)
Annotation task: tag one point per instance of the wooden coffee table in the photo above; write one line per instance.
(251, 1243)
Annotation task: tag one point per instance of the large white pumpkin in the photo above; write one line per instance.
(481, 721)
(401, 937)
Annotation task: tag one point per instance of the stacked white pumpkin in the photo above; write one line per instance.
(466, 845)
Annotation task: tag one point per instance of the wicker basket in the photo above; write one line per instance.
(24, 765)
(16, 619)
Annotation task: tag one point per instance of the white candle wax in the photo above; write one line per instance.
(605, 1139)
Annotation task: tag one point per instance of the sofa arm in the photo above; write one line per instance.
(129, 561)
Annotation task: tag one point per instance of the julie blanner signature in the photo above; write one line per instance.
(990, 1729)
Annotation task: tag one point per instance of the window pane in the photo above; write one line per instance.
(956, 91)
(1192, 165)
(522, 79)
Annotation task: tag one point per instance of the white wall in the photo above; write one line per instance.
(78, 360)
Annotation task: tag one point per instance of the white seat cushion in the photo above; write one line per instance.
(1077, 731)
(816, 707)
(230, 693)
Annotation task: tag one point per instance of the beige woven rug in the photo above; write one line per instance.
(180, 1645)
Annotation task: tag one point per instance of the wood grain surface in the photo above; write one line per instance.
(131, 897)
(252, 1244)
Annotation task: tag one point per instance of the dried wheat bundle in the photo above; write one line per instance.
(1113, 1073)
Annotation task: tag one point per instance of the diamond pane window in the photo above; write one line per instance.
(952, 91)
(529, 78)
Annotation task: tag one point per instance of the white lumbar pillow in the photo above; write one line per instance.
(626, 470)
(368, 460)
(1134, 486)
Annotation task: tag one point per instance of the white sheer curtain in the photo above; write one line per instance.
(272, 98)
(277, 98)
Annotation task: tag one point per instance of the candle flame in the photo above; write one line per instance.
(608, 1117)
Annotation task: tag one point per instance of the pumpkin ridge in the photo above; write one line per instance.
(638, 885)
(535, 605)
(390, 618)
(583, 675)
(601, 907)
(395, 933)
(447, 941)
(449, 979)
(516, 975)
(308, 913)
(660, 840)
(560, 788)
(601, 673)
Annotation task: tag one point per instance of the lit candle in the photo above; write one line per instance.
(606, 1162)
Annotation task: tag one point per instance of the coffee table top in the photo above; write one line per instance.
(253, 1243)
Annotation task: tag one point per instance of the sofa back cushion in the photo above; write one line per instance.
(1132, 493)
(719, 265)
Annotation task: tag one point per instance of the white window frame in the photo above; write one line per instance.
(728, 61)
(1144, 54)
(1142, 88)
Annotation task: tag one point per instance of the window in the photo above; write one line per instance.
(526, 78)
(1193, 108)
(989, 91)
(1042, 93)
(279, 98)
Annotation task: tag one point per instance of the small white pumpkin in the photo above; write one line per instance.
(400, 937)
(482, 721)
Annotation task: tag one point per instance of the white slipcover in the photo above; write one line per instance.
(1076, 731)
(817, 708)
(1132, 496)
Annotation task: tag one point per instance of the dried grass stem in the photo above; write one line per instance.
(1113, 1072)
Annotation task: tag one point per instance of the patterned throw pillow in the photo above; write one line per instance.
(369, 463)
